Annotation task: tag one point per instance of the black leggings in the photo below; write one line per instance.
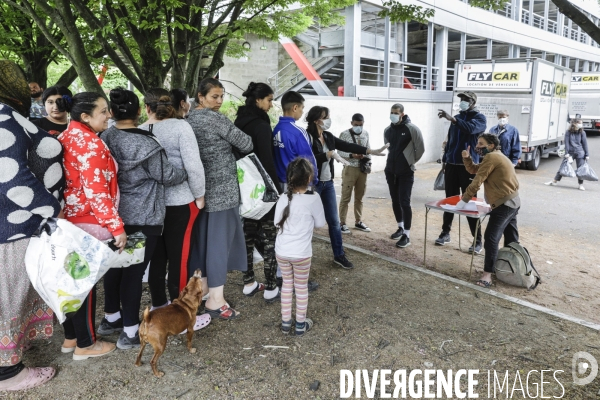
(123, 287)
(82, 325)
(261, 234)
(458, 180)
(172, 248)
(400, 187)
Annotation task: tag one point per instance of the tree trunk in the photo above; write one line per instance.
(77, 48)
(67, 78)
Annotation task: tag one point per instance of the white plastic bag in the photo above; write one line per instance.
(586, 173)
(133, 253)
(64, 263)
(258, 193)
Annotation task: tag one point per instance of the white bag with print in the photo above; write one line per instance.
(64, 263)
(258, 193)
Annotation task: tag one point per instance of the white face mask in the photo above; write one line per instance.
(503, 121)
(357, 129)
(578, 126)
(464, 105)
(395, 118)
(326, 124)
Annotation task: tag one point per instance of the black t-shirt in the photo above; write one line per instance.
(49, 126)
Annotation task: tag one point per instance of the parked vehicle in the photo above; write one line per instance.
(584, 100)
(535, 92)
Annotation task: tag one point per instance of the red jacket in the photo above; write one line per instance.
(91, 172)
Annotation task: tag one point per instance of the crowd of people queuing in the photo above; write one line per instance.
(87, 159)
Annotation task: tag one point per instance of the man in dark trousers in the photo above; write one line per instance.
(406, 148)
(465, 128)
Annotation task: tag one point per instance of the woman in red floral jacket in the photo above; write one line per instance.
(91, 202)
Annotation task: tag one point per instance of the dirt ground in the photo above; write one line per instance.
(564, 254)
(378, 316)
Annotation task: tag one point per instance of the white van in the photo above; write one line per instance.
(535, 92)
(584, 101)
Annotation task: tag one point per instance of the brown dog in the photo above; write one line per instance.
(171, 320)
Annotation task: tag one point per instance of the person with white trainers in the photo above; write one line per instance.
(354, 176)
(576, 148)
(406, 148)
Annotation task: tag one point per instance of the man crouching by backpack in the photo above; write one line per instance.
(501, 186)
(406, 148)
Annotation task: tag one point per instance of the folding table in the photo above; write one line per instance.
(481, 214)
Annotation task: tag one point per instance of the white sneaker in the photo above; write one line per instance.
(581, 187)
(551, 183)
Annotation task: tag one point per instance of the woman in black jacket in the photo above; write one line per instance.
(324, 145)
(253, 120)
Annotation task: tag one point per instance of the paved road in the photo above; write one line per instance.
(547, 208)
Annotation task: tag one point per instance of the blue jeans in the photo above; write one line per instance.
(327, 193)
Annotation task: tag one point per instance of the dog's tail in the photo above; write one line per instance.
(144, 325)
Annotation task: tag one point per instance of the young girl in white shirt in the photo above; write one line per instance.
(296, 215)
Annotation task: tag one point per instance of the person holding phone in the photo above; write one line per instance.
(465, 128)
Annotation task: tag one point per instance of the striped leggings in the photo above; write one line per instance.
(295, 276)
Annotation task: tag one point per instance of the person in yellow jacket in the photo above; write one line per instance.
(497, 173)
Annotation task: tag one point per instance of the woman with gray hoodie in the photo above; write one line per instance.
(143, 173)
(218, 243)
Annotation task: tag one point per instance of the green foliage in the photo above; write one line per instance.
(398, 12)
(230, 108)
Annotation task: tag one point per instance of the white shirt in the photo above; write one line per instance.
(306, 213)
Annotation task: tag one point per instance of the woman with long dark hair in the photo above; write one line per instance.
(91, 203)
(218, 238)
(181, 102)
(183, 201)
(324, 144)
(252, 118)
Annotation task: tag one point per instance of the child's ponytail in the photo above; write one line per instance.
(299, 174)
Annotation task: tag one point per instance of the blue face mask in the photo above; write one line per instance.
(395, 118)
(464, 105)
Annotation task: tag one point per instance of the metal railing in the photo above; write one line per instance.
(290, 74)
(402, 75)
(552, 26)
(525, 16)
(450, 79)
(506, 11)
(538, 21)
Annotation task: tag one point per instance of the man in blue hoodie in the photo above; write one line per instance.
(465, 128)
(508, 135)
(289, 140)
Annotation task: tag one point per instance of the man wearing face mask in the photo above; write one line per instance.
(406, 148)
(464, 130)
(353, 177)
(508, 135)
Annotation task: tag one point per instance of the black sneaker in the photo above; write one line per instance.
(443, 239)
(306, 326)
(108, 328)
(344, 228)
(126, 343)
(343, 262)
(396, 235)
(477, 249)
(362, 227)
(403, 242)
(312, 286)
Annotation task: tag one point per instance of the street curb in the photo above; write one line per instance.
(490, 292)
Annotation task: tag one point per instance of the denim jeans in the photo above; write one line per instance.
(503, 220)
(327, 193)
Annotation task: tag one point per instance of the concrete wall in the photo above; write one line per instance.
(256, 67)
(376, 113)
